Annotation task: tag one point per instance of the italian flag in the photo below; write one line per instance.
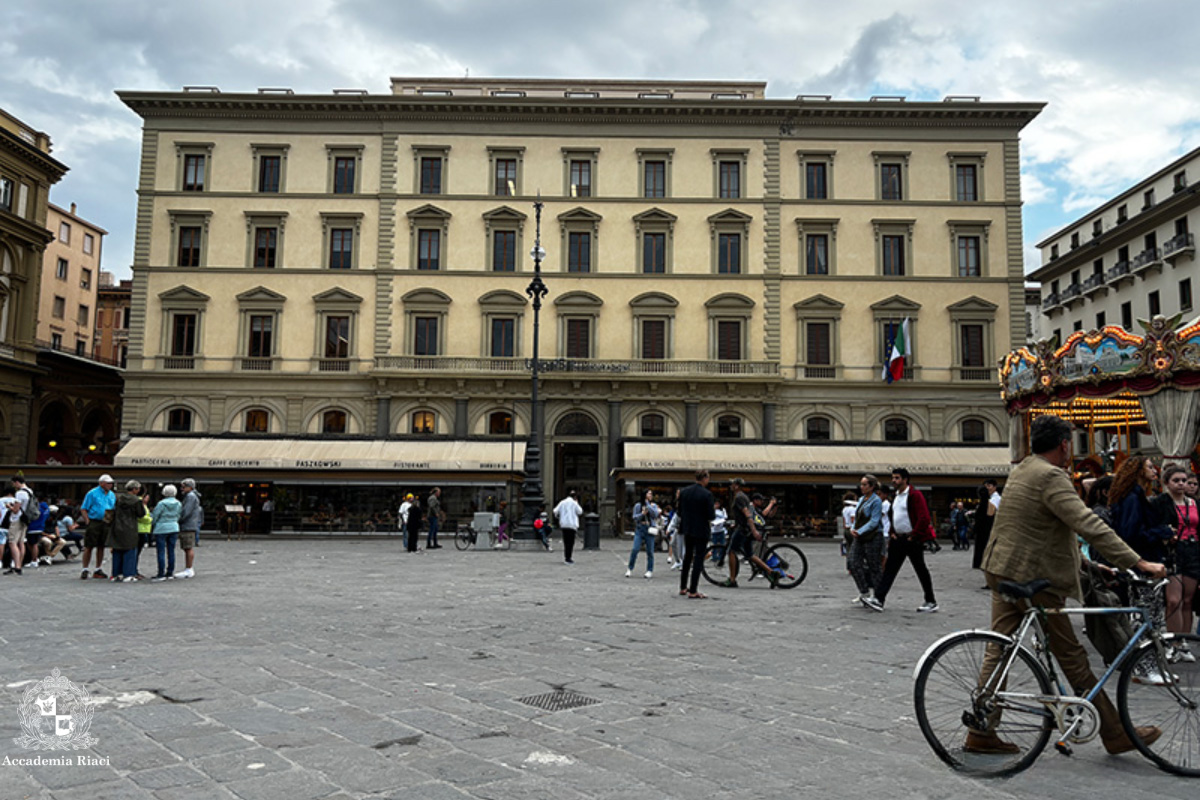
(901, 352)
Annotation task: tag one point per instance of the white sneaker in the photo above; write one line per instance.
(628, 573)
(670, 561)
(1148, 674)
(187, 573)
(928, 608)
(857, 601)
(32, 564)
(1180, 652)
(649, 574)
(873, 604)
(46, 560)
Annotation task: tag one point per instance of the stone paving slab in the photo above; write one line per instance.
(350, 670)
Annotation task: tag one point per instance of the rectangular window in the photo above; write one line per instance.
(80, 347)
(193, 173)
(341, 248)
(1185, 294)
(259, 345)
(268, 173)
(1147, 199)
(265, 240)
(426, 334)
(816, 181)
(1127, 316)
(891, 182)
(579, 338)
(730, 178)
(59, 308)
(337, 336)
(654, 252)
(966, 183)
(504, 251)
(581, 178)
(816, 257)
(655, 179)
(343, 174)
(64, 233)
(893, 255)
(729, 253)
(503, 337)
(818, 343)
(89, 243)
(431, 175)
(729, 340)
(579, 252)
(6, 194)
(189, 246)
(56, 341)
(183, 335)
(506, 177)
(972, 345)
(85, 279)
(968, 256)
(1101, 320)
(654, 338)
(1154, 303)
(429, 249)
(63, 268)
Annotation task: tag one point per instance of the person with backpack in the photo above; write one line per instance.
(22, 510)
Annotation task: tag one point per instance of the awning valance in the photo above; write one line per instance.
(319, 455)
(757, 458)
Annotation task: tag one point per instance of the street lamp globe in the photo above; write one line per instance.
(538, 253)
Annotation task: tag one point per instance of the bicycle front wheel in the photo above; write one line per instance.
(463, 540)
(951, 700)
(1165, 693)
(715, 568)
(793, 566)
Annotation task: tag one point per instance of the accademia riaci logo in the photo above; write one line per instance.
(56, 715)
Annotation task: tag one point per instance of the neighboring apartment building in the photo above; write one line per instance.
(112, 320)
(27, 171)
(1033, 314)
(1128, 260)
(723, 267)
(71, 271)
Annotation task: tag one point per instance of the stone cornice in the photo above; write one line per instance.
(53, 168)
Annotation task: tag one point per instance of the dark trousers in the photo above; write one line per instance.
(899, 549)
(693, 561)
(412, 533)
(568, 536)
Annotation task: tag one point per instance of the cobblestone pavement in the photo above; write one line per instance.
(349, 669)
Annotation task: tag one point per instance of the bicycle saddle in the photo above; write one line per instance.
(1023, 590)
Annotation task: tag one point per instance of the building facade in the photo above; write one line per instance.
(27, 171)
(1130, 259)
(111, 338)
(70, 282)
(722, 267)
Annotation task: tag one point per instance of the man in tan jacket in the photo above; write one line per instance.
(1034, 537)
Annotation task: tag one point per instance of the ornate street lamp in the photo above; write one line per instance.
(531, 491)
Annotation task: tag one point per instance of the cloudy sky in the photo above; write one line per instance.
(1120, 78)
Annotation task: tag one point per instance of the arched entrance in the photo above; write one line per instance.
(56, 441)
(577, 459)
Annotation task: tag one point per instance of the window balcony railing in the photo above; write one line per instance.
(1072, 292)
(333, 365)
(1176, 246)
(820, 373)
(1118, 271)
(89, 355)
(1050, 301)
(258, 364)
(179, 362)
(1150, 257)
(976, 374)
(579, 366)
(1094, 283)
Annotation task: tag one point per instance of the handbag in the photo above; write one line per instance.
(653, 530)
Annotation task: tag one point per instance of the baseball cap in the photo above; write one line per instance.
(106, 478)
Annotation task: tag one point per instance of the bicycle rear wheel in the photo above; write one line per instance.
(949, 701)
(462, 539)
(1164, 693)
(793, 566)
(715, 568)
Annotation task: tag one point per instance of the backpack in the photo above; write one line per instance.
(32, 510)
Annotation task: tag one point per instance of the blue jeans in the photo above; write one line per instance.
(124, 563)
(165, 543)
(431, 537)
(642, 538)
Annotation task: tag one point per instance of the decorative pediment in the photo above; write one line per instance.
(426, 296)
(896, 304)
(973, 304)
(731, 215)
(730, 300)
(578, 300)
(654, 215)
(818, 302)
(579, 214)
(336, 295)
(501, 297)
(183, 294)
(260, 294)
(504, 214)
(653, 300)
(429, 211)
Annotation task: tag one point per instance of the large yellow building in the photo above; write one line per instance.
(321, 270)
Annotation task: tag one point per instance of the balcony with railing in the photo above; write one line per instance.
(1118, 272)
(255, 364)
(333, 365)
(90, 356)
(1094, 283)
(1050, 301)
(574, 366)
(1148, 258)
(1071, 293)
(179, 362)
(815, 372)
(1181, 245)
(976, 374)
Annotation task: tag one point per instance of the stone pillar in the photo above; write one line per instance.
(691, 421)
(383, 416)
(607, 503)
(768, 422)
(461, 428)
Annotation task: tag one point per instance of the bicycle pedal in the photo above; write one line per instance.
(1064, 748)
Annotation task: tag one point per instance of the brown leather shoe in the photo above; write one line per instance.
(989, 744)
(1147, 733)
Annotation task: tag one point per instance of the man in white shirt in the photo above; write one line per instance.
(568, 513)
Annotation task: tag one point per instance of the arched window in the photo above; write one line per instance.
(179, 420)
(423, 422)
(895, 430)
(333, 422)
(818, 429)
(729, 426)
(500, 423)
(576, 424)
(257, 420)
(974, 430)
(654, 425)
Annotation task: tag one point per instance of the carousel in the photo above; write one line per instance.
(1113, 385)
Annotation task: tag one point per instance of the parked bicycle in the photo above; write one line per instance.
(466, 537)
(1008, 685)
(786, 559)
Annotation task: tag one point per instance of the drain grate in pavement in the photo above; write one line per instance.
(560, 700)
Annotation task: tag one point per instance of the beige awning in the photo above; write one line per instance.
(838, 459)
(322, 454)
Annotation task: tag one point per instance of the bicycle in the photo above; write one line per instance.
(1024, 699)
(466, 537)
(786, 559)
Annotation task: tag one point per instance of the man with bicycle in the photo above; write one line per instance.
(745, 534)
(1034, 537)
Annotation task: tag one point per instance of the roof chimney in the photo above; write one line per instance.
(72, 209)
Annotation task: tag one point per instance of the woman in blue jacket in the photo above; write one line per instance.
(865, 559)
(166, 532)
